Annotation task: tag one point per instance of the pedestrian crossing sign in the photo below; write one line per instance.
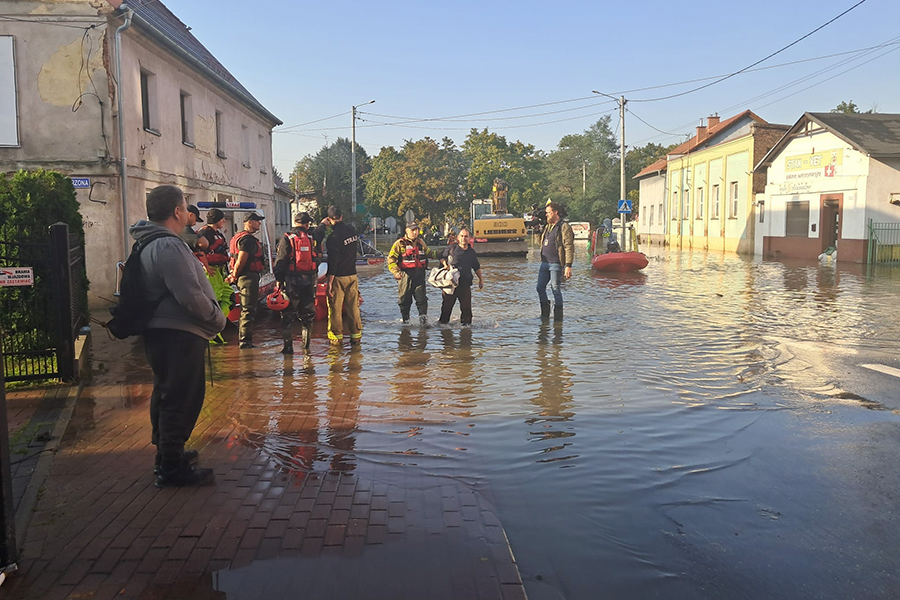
(625, 206)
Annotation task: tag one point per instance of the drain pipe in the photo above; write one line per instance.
(123, 176)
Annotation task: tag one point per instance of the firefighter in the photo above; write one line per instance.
(408, 261)
(217, 250)
(245, 268)
(297, 271)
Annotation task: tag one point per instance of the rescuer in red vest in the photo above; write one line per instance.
(297, 271)
(245, 268)
(217, 246)
(407, 261)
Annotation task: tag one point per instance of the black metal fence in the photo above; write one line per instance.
(39, 322)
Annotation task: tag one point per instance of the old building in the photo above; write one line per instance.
(184, 119)
(828, 180)
(701, 194)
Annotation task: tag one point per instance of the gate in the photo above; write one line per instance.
(884, 243)
(39, 323)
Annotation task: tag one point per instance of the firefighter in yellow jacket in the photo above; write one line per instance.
(408, 262)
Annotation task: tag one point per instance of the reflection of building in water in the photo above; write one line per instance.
(554, 393)
(343, 407)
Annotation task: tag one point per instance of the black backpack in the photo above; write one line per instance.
(133, 312)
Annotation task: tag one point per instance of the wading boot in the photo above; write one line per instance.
(306, 335)
(175, 471)
(191, 456)
(545, 310)
(288, 348)
(423, 319)
(557, 312)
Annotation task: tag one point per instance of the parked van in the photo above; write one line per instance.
(581, 229)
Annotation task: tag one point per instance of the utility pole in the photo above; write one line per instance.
(621, 102)
(353, 154)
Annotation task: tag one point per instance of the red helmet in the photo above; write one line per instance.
(277, 300)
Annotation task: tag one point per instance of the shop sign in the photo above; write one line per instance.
(826, 161)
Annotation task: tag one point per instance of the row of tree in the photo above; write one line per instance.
(437, 179)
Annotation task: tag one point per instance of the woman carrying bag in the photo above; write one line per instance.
(461, 255)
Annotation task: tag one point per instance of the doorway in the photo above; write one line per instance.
(830, 220)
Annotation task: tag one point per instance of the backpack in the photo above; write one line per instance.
(133, 312)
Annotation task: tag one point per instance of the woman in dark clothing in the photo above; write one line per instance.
(461, 255)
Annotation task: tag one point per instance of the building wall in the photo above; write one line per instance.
(56, 66)
(652, 209)
(856, 183)
(719, 166)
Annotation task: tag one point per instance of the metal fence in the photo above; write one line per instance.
(39, 322)
(884, 243)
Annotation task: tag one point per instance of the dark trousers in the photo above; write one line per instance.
(301, 291)
(179, 385)
(412, 285)
(463, 293)
(248, 287)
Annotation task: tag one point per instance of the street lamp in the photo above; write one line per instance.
(353, 154)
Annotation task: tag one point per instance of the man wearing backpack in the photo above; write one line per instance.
(557, 255)
(297, 272)
(185, 317)
(246, 266)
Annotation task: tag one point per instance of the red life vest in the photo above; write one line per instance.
(217, 252)
(255, 265)
(412, 255)
(304, 252)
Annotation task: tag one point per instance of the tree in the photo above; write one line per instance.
(329, 173)
(522, 166)
(850, 108)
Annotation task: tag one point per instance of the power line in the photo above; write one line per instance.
(289, 127)
(407, 120)
(730, 75)
(648, 124)
(67, 23)
(603, 112)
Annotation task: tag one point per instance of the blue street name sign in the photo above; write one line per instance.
(625, 206)
(81, 182)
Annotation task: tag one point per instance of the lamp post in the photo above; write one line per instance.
(353, 154)
(621, 102)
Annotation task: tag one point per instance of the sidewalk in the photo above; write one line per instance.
(293, 513)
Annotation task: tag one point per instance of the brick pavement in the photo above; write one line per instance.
(294, 512)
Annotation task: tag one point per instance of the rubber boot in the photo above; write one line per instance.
(404, 316)
(545, 310)
(176, 471)
(288, 348)
(557, 312)
(307, 335)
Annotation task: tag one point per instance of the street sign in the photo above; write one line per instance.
(625, 206)
(16, 276)
(81, 182)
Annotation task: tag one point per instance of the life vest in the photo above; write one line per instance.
(304, 252)
(412, 255)
(255, 265)
(217, 252)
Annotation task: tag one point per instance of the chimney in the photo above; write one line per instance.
(712, 121)
(701, 132)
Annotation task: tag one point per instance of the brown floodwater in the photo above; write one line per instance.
(685, 432)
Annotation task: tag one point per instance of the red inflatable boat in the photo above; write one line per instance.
(620, 262)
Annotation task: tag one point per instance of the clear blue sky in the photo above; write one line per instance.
(309, 60)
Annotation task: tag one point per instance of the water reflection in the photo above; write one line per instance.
(554, 398)
(344, 389)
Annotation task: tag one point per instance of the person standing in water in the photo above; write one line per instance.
(462, 256)
(557, 255)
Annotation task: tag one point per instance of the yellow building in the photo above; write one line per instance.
(711, 186)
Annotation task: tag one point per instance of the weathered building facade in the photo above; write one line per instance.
(184, 120)
(827, 180)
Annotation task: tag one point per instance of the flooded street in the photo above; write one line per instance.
(703, 429)
(678, 436)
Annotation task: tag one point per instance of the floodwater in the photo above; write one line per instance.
(678, 436)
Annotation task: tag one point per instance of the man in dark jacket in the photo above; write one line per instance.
(557, 255)
(342, 283)
(297, 271)
(177, 336)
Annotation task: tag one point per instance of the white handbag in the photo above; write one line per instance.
(445, 279)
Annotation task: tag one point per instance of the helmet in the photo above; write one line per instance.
(277, 300)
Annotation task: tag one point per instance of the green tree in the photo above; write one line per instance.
(522, 166)
(850, 108)
(329, 174)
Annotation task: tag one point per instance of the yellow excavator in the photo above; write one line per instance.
(496, 231)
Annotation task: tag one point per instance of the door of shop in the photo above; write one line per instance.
(830, 220)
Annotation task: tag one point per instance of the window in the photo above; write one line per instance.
(661, 217)
(245, 146)
(187, 120)
(220, 135)
(762, 211)
(674, 206)
(797, 219)
(651, 215)
(687, 204)
(734, 199)
(149, 111)
(9, 115)
(699, 203)
(715, 202)
(262, 155)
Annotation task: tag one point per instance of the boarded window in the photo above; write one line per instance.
(187, 119)
(797, 219)
(149, 110)
(9, 117)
